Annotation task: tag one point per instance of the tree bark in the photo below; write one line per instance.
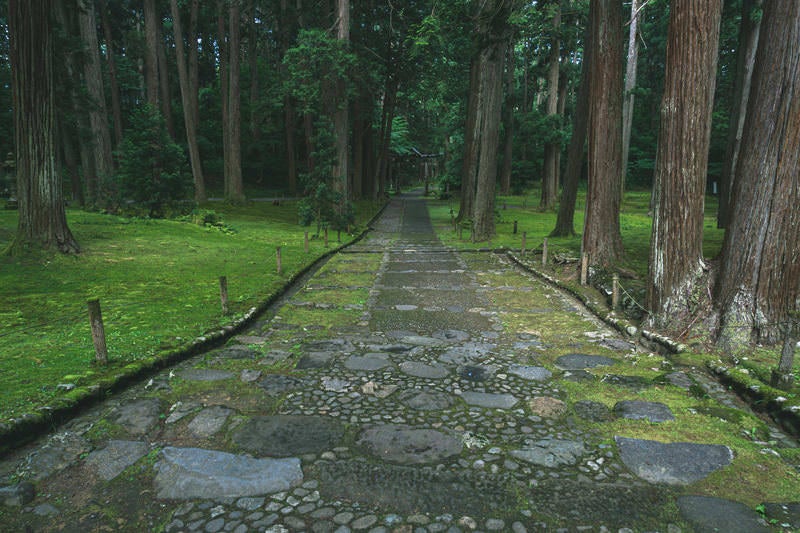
(759, 278)
(252, 58)
(676, 246)
(602, 240)
(551, 149)
(163, 81)
(234, 188)
(746, 53)
(186, 98)
(194, 70)
(508, 122)
(93, 78)
(630, 85)
(565, 226)
(116, 106)
(341, 114)
(469, 163)
(42, 218)
(151, 22)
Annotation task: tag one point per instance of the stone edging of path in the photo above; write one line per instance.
(759, 396)
(28, 426)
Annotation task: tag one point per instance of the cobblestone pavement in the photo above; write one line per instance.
(405, 387)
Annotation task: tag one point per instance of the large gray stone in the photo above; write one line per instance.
(61, 451)
(422, 370)
(426, 400)
(638, 410)
(280, 383)
(467, 353)
(551, 453)
(288, 435)
(209, 421)
(17, 495)
(116, 457)
(194, 473)
(709, 515)
(204, 374)
(532, 373)
(367, 363)
(489, 400)
(407, 445)
(677, 463)
(579, 361)
(138, 416)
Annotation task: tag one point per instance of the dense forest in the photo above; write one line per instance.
(143, 105)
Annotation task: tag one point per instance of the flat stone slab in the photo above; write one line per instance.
(204, 374)
(709, 514)
(118, 455)
(467, 353)
(407, 445)
(592, 411)
(209, 421)
(367, 363)
(547, 407)
(531, 373)
(550, 453)
(638, 410)
(194, 473)
(288, 435)
(636, 383)
(678, 463)
(476, 372)
(315, 360)
(579, 361)
(490, 400)
(17, 495)
(138, 416)
(451, 335)
(784, 513)
(618, 345)
(423, 370)
(280, 383)
(61, 451)
(426, 400)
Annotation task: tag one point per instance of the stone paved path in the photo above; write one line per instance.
(406, 388)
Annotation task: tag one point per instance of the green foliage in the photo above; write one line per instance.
(400, 142)
(152, 168)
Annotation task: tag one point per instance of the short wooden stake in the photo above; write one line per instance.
(544, 251)
(584, 268)
(515, 227)
(223, 294)
(326, 237)
(278, 259)
(524, 238)
(98, 332)
(305, 245)
(614, 292)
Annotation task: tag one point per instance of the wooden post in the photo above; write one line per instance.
(515, 227)
(305, 246)
(326, 237)
(584, 268)
(223, 294)
(472, 232)
(278, 258)
(98, 332)
(524, 238)
(615, 292)
(544, 252)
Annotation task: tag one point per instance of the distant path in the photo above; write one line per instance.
(406, 387)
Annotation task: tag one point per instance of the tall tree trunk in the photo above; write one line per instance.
(42, 219)
(68, 135)
(491, 104)
(630, 85)
(252, 57)
(186, 98)
(565, 226)
(163, 81)
(469, 163)
(151, 22)
(676, 246)
(759, 278)
(93, 78)
(289, 114)
(551, 149)
(383, 164)
(341, 115)
(116, 106)
(194, 68)
(745, 61)
(602, 240)
(508, 122)
(234, 188)
(224, 88)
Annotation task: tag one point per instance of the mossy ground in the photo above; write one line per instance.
(158, 285)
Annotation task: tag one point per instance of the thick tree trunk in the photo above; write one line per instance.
(745, 61)
(383, 163)
(676, 246)
(151, 23)
(69, 135)
(341, 115)
(252, 58)
(194, 70)
(289, 114)
(163, 82)
(186, 98)
(469, 163)
(508, 122)
(759, 278)
(93, 78)
(116, 107)
(42, 219)
(234, 188)
(565, 226)
(551, 150)
(602, 240)
(630, 85)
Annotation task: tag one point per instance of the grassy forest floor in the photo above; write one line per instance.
(158, 286)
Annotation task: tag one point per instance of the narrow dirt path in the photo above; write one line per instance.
(405, 387)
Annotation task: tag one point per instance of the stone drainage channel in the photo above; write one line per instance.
(404, 388)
